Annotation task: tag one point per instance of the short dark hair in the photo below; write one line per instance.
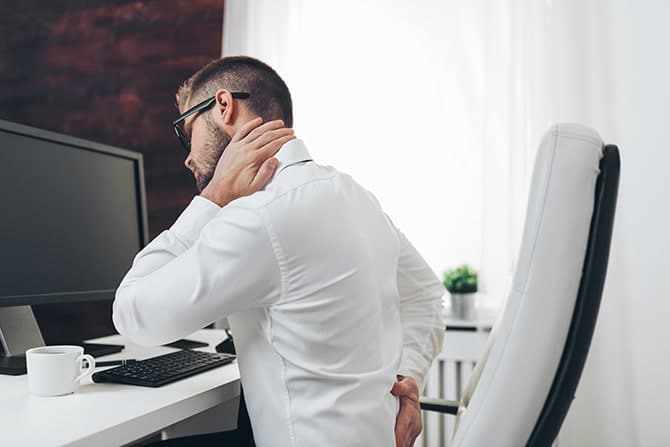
(269, 96)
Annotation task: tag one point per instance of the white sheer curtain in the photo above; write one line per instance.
(437, 107)
(413, 99)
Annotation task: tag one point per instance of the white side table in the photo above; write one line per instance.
(463, 344)
(464, 341)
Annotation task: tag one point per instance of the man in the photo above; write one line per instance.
(335, 315)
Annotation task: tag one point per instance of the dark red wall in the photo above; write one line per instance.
(108, 71)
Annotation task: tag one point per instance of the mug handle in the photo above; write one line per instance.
(88, 370)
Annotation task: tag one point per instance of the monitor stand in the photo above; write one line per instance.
(14, 365)
(19, 332)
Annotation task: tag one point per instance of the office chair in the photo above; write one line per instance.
(522, 386)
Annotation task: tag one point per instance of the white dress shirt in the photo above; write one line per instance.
(326, 299)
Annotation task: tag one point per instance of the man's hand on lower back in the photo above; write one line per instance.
(408, 423)
(247, 164)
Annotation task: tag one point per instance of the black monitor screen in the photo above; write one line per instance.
(71, 219)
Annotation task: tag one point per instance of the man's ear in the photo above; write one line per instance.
(224, 107)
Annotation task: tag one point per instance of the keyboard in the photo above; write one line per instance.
(164, 369)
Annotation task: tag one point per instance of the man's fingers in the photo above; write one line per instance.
(408, 422)
(271, 135)
(246, 128)
(273, 146)
(264, 173)
(404, 432)
(400, 432)
(399, 438)
(260, 130)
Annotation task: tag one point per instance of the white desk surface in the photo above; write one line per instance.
(107, 414)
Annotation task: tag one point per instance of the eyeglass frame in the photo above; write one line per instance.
(198, 108)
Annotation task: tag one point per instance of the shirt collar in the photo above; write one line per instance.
(291, 152)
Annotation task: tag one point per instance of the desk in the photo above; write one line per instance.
(106, 414)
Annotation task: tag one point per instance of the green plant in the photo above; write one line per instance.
(461, 279)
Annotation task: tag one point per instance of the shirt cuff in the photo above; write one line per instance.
(410, 368)
(196, 215)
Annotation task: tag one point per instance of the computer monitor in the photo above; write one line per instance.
(73, 218)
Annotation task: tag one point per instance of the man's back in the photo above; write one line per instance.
(327, 300)
(319, 359)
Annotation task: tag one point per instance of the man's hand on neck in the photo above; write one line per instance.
(247, 164)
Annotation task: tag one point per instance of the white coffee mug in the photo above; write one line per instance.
(57, 370)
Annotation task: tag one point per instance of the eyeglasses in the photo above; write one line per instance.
(198, 108)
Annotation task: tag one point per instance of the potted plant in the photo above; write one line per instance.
(461, 282)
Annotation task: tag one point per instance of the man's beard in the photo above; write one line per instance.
(216, 143)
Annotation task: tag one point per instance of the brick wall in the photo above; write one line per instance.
(107, 71)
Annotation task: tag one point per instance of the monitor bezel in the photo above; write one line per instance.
(82, 144)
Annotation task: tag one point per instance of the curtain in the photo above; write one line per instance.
(438, 107)
(413, 101)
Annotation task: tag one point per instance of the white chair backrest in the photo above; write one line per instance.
(510, 383)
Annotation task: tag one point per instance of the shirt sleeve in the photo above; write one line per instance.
(420, 312)
(211, 263)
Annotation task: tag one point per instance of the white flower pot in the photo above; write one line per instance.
(463, 306)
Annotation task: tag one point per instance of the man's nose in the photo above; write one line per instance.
(188, 162)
